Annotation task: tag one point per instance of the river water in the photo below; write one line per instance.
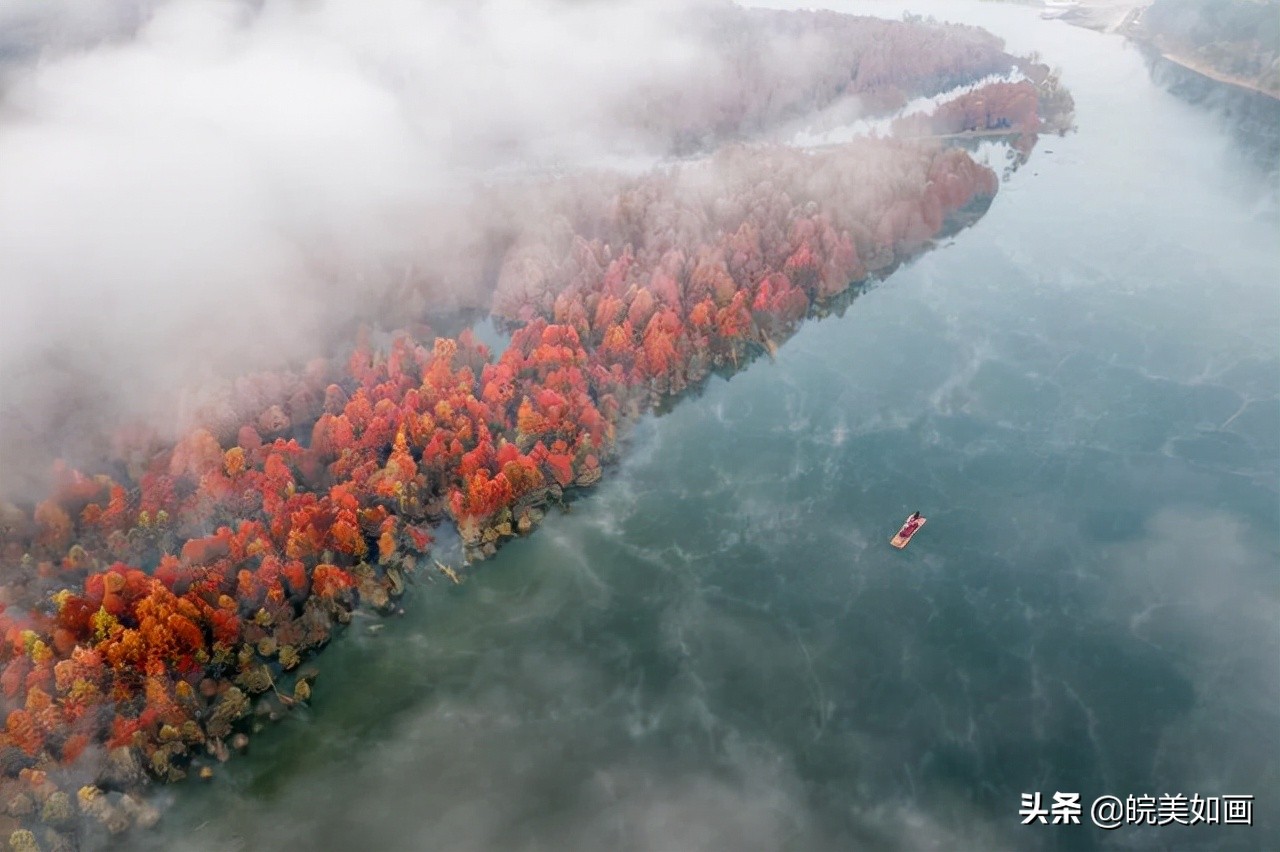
(718, 650)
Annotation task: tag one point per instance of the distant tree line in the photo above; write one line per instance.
(1236, 37)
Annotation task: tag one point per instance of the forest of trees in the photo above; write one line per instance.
(774, 66)
(150, 601)
(1239, 38)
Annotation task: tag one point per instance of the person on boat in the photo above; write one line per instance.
(913, 523)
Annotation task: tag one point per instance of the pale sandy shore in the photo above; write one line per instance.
(1124, 16)
(1212, 74)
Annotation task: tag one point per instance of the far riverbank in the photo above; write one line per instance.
(1125, 17)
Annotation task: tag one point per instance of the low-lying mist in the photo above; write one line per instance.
(200, 188)
(224, 189)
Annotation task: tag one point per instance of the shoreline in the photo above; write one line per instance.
(1123, 17)
(1205, 71)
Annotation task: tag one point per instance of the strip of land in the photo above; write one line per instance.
(1125, 17)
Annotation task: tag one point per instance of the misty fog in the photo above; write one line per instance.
(238, 214)
(230, 184)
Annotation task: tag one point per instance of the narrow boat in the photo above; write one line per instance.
(909, 529)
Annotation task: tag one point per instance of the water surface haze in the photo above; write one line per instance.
(718, 650)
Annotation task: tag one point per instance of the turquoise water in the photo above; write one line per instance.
(718, 649)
